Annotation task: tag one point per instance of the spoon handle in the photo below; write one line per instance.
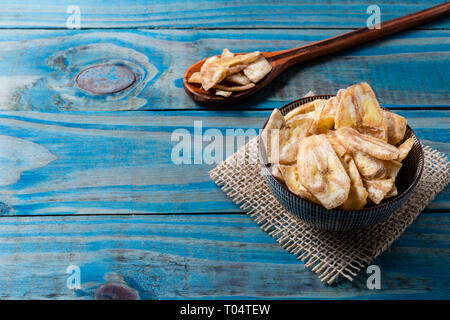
(287, 58)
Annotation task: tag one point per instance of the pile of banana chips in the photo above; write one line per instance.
(230, 73)
(343, 152)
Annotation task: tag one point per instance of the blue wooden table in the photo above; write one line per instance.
(87, 181)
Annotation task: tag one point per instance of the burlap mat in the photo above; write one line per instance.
(328, 254)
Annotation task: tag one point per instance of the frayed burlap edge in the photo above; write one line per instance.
(328, 254)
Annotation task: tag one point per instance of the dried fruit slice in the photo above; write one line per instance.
(304, 108)
(324, 114)
(225, 94)
(233, 89)
(357, 195)
(291, 179)
(276, 172)
(356, 141)
(405, 148)
(239, 59)
(238, 78)
(271, 135)
(396, 126)
(368, 166)
(378, 189)
(258, 69)
(236, 69)
(297, 129)
(195, 78)
(359, 109)
(321, 171)
(212, 73)
(338, 147)
(226, 54)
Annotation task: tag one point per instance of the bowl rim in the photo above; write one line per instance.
(396, 198)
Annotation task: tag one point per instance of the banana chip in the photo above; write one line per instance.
(226, 54)
(321, 171)
(324, 114)
(239, 59)
(359, 109)
(271, 135)
(396, 127)
(404, 149)
(357, 195)
(212, 73)
(378, 189)
(258, 69)
(195, 78)
(297, 128)
(304, 108)
(368, 166)
(235, 88)
(223, 93)
(360, 142)
(290, 177)
(238, 78)
(277, 173)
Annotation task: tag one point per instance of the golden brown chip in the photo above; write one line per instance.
(396, 126)
(195, 78)
(338, 147)
(404, 149)
(356, 141)
(235, 69)
(359, 109)
(324, 114)
(238, 78)
(225, 94)
(212, 73)
(368, 166)
(271, 135)
(357, 195)
(291, 179)
(276, 172)
(378, 189)
(258, 69)
(304, 108)
(226, 54)
(296, 129)
(321, 171)
(392, 193)
(239, 59)
(235, 88)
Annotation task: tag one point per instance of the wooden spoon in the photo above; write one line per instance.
(280, 60)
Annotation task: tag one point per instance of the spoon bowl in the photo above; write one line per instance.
(196, 92)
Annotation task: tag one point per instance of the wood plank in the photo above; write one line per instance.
(100, 163)
(201, 257)
(39, 67)
(205, 14)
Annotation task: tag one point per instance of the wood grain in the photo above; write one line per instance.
(39, 67)
(201, 257)
(122, 162)
(205, 14)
